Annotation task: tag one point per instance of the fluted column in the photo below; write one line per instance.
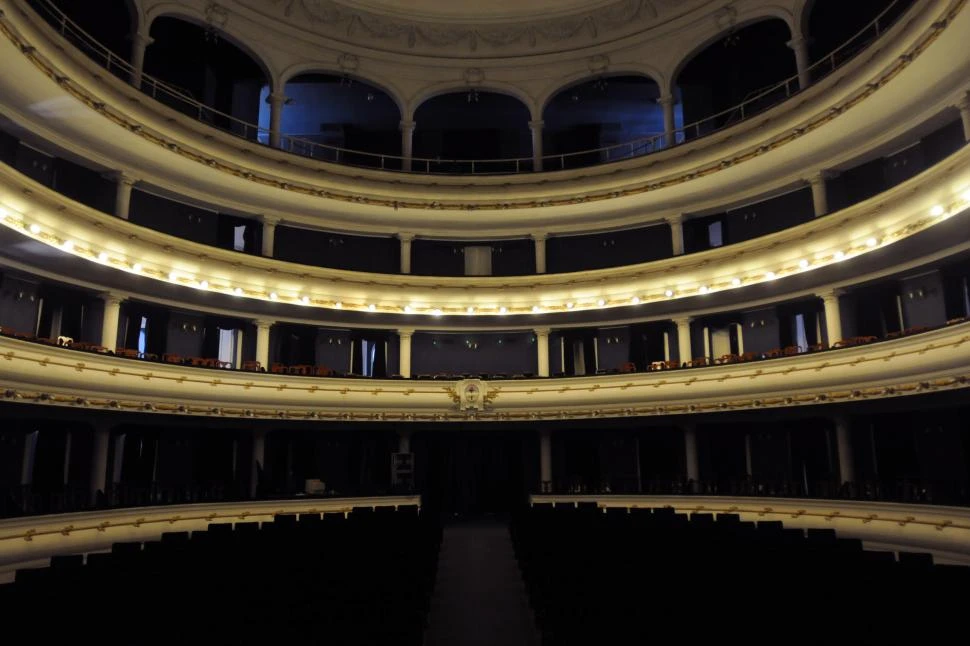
(542, 350)
(258, 461)
(676, 223)
(536, 128)
(109, 322)
(833, 316)
(262, 343)
(670, 127)
(406, 240)
(276, 102)
(99, 460)
(540, 244)
(683, 339)
(404, 352)
(691, 462)
(545, 461)
(139, 44)
(843, 442)
(964, 107)
(799, 45)
(269, 235)
(820, 193)
(124, 183)
(407, 143)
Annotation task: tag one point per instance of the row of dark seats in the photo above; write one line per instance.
(638, 575)
(364, 578)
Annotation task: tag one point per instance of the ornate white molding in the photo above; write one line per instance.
(930, 362)
(883, 526)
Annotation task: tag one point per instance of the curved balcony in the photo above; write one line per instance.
(677, 178)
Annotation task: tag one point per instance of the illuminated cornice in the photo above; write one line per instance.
(924, 201)
(930, 362)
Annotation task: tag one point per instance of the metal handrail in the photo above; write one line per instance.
(183, 101)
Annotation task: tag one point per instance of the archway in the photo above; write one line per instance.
(832, 23)
(109, 22)
(740, 65)
(598, 113)
(354, 121)
(472, 125)
(204, 65)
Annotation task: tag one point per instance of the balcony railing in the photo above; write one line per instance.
(182, 100)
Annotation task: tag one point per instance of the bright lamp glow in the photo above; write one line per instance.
(103, 257)
(937, 211)
(803, 263)
(371, 307)
(204, 284)
(68, 245)
(34, 228)
(273, 296)
(770, 275)
(669, 293)
(237, 291)
(601, 302)
(503, 310)
(570, 305)
(703, 289)
(839, 255)
(304, 299)
(470, 309)
(871, 242)
(436, 312)
(635, 300)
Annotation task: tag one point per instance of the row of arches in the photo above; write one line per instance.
(346, 118)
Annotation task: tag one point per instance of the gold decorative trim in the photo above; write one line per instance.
(819, 120)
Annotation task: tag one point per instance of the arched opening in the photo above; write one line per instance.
(472, 125)
(584, 119)
(203, 65)
(353, 121)
(739, 66)
(832, 23)
(110, 23)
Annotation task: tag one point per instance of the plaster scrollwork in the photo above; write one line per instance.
(216, 15)
(598, 64)
(348, 62)
(474, 75)
(337, 17)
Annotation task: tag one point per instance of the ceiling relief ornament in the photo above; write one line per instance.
(340, 19)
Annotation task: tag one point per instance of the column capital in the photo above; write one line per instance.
(798, 41)
(677, 219)
(263, 324)
(405, 333)
(539, 236)
(121, 177)
(964, 103)
(542, 331)
(682, 320)
(821, 176)
(832, 294)
(407, 124)
(270, 220)
(112, 298)
(405, 237)
(536, 124)
(141, 39)
(277, 99)
(666, 99)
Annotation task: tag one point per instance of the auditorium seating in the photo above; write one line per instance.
(633, 576)
(363, 579)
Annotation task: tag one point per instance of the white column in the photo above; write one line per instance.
(545, 461)
(109, 322)
(799, 45)
(259, 460)
(262, 343)
(670, 127)
(406, 240)
(833, 316)
(540, 243)
(676, 223)
(683, 339)
(139, 43)
(690, 453)
(820, 194)
(843, 441)
(407, 143)
(124, 182)
(276, 102)
(964, 107)
(542, 349)
(269, 234)
(404, 352)
(404, 441)
(536, 128)
(99, 460)
(29, 458)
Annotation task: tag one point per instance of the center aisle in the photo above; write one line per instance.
(479, 597)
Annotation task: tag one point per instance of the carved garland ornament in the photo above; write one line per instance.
(350, 21)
